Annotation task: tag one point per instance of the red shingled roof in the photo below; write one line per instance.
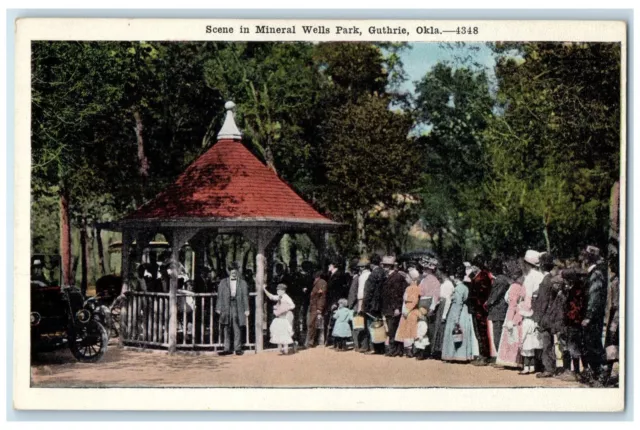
(229, 182)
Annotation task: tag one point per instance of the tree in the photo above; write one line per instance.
(555, 144)
(454, 104)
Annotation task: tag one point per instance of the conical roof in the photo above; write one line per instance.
(228, 183)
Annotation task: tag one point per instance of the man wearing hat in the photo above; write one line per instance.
(37, 274)
(542, 310)
(391, 303)
(337, 288)
(361, 336)
(317, 303)
(593, 323)
(233, 308)
(479, 292)
(372, 297)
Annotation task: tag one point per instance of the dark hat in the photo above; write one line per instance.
(234, 265)
(376, 259)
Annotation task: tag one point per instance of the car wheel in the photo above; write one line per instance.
(89, 342)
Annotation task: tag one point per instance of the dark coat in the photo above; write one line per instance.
(544, 299)
(596, 295)
(338, 288)
(553, 320)
(575, 303)
(352, 299)
(223, 304)
(318, 297)
(392, 293)
(371, 303)
(496, 304)
(479, 293)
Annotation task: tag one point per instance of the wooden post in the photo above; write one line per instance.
(261, 246)
(177, 238)
(260, 238)
(320, 240)
(127, 238)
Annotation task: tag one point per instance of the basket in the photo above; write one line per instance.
(378, 332)
(358, 322)
(458, 336)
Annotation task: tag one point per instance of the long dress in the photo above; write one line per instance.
(458, 314)
(281, 328)
(408, 327)
(510, 341)
(531, 339)
(446, 291)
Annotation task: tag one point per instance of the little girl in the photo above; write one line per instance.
(281, 328)
(422, 341)
(342, 329)
(530, 337)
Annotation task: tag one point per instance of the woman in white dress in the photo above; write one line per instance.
(281, 328)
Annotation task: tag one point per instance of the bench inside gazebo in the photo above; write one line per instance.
(227, 190)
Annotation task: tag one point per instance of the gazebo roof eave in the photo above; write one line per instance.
(236, 222)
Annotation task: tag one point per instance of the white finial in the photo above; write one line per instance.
(229, 129)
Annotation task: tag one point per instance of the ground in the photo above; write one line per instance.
(316, 367)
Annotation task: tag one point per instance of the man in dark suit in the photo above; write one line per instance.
(233, 307)
(337, 288)
(391, 300)
(541, 307)
(593, 322)
(371, 304)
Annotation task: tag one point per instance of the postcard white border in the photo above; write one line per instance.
(271, 399)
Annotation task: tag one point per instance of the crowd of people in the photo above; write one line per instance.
(520, 313)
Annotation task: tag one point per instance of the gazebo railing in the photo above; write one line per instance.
(146, 321)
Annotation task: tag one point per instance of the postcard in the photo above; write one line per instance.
(338, 215)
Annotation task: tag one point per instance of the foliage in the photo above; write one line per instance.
(553, 152)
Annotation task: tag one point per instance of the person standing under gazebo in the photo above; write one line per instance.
(233, 307)
(317, 303)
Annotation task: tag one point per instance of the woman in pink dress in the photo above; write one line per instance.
(511, 339)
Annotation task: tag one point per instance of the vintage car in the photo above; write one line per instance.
(60, 316)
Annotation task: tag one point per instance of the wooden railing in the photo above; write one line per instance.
(146, 321)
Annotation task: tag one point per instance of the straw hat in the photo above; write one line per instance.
(532, 257)
(388, 260)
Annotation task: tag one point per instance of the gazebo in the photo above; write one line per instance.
(227, 190)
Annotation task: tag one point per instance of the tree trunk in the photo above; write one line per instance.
(143, 167)
(268, 155)
(65, 238)
(546, 237)
(83, 257)
(360, 233)
(101, 264)
(74, 269)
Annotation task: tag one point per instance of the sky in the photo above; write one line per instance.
(421, 57)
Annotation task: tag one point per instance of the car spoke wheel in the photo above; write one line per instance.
(89, 342)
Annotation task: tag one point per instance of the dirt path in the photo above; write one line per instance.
(316, 367)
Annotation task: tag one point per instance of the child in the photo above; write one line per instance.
(281, 328)
(530, 337)
(422, 341)
(342, 329)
